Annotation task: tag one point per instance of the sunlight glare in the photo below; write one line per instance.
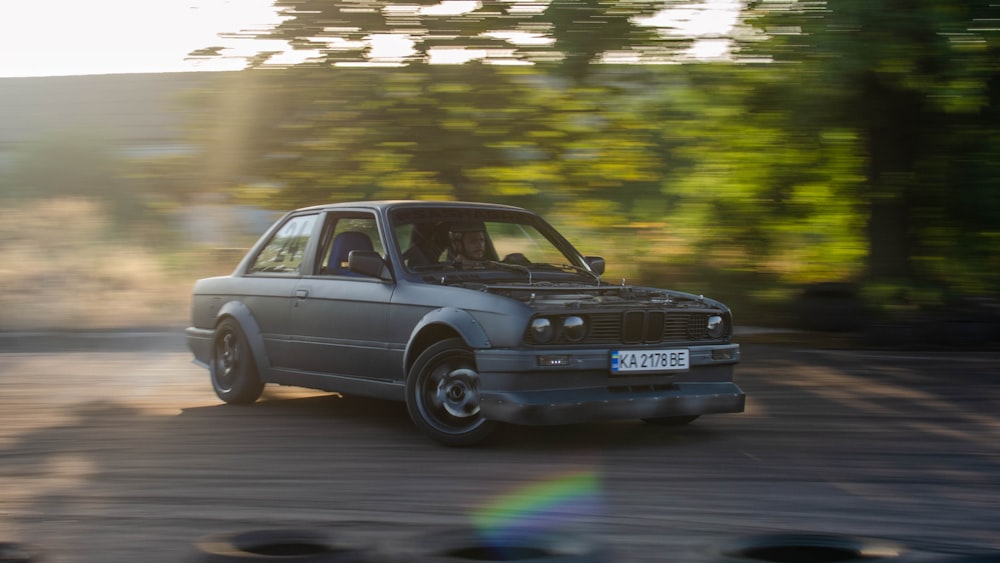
(709, 17)
(69, 37)
(451, 8)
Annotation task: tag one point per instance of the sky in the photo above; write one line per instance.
(73, 37)
(76, 37)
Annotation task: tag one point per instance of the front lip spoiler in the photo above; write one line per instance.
(538, 408)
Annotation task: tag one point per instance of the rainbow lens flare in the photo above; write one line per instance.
(540, 507)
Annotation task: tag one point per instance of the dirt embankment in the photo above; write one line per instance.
(63, 268)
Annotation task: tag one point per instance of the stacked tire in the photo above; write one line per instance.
(450, 545)
(16, 552)
(287, 545)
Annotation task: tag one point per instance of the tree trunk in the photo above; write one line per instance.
(892, 125)
(889, 242)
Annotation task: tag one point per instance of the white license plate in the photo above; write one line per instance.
(649, 361)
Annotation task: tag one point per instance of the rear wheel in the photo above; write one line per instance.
(234, 373)
(442, 395)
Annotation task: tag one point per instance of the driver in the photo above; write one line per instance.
(468, 242)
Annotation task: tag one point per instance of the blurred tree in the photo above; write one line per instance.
(919, 81)
(87, 164)
(473, 131)
(867, 147)
(562, 134)
(76, 163)
(756, 184)
(569, 34)
(64, 163)
(689, 159)
(358, 133)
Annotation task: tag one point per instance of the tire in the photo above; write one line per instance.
(15, 552)
(293, 546)
(671, 420)
(442, 395)
(469, 544)
(811, 548)
(233, 371)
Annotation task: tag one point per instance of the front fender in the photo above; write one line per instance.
(239, 312)
(457, 320)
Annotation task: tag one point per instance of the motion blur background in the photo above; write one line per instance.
(798, 160)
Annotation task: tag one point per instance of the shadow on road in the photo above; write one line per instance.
(893, 445)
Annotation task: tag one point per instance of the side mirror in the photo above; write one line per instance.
(596, 264)
(368, 263)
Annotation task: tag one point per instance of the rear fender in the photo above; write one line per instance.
(240, 313)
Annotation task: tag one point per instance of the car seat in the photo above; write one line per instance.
(340, 251)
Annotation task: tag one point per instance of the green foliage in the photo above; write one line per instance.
(918, 83)
(575, 33)
(867, 148)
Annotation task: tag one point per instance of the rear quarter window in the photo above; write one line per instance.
(286, 249)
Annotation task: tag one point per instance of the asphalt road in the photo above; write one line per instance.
(113, 448)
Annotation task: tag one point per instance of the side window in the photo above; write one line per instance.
(286, 249)
(346, 232)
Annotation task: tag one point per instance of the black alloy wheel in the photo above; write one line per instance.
(233, 371)
(442, 395)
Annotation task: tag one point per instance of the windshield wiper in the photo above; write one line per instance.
(577, 269)
(514, 267)
(452, 269)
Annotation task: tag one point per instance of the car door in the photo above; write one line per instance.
(339, 318)
(271, 279)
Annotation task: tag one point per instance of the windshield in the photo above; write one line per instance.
(444, 239)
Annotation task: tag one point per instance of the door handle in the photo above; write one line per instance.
(301, 293)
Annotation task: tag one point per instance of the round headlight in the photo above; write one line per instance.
(716, 326)
(542, 330)
(574, 328)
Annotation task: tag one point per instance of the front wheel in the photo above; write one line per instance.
(442, 395)
(234, 373)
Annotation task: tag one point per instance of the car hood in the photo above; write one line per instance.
(549, 296)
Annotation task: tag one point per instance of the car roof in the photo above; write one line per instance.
(385, 205)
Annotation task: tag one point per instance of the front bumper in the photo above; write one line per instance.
(514, 388)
